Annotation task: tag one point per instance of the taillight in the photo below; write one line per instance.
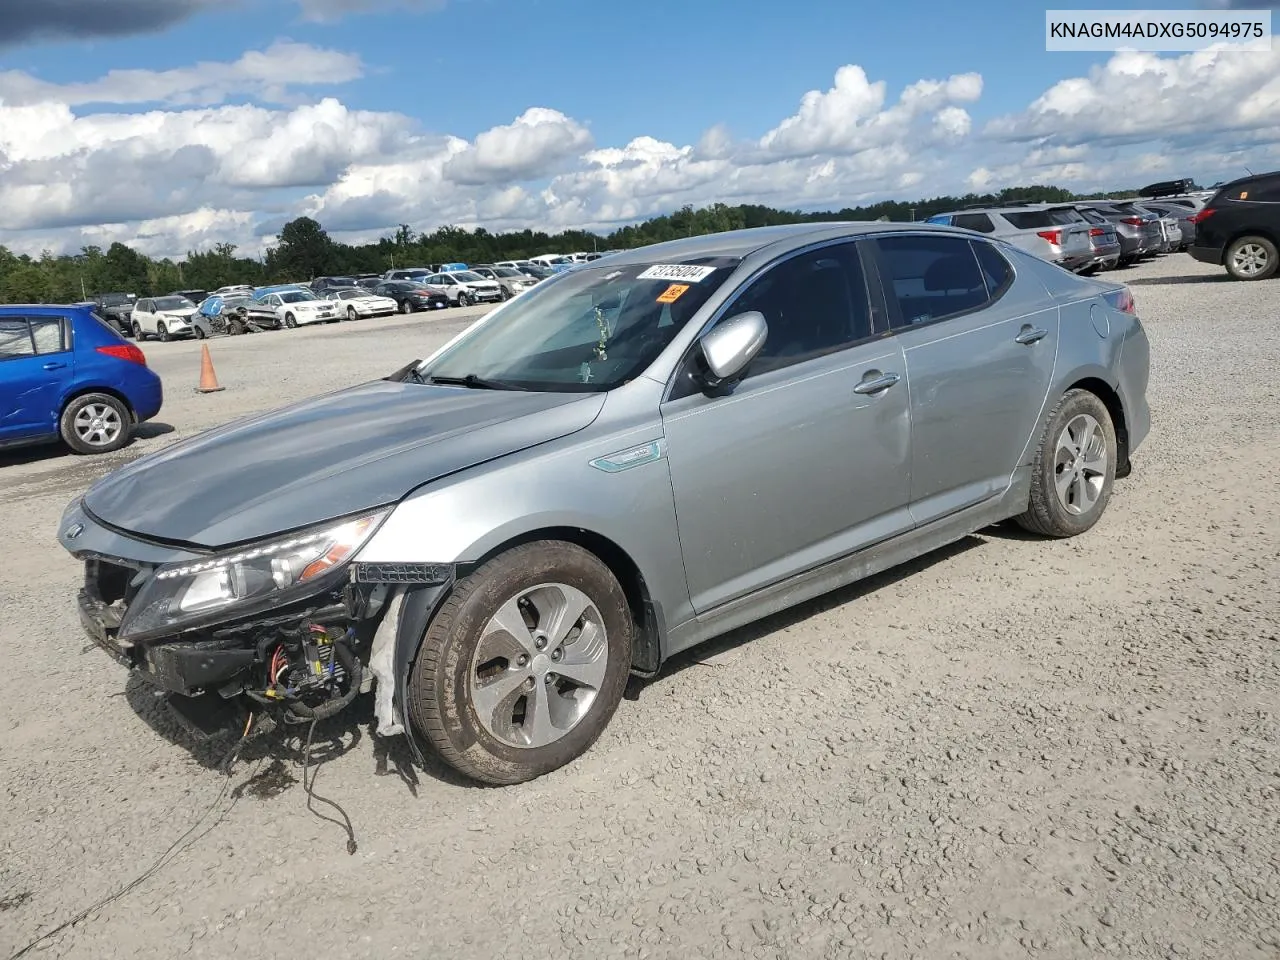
(1053, 236)
(1132, 221)
(1097, 232)
(125, 351)
(1204, 214)
(1122, 300)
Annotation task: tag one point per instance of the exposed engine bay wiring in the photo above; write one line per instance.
(307, 675)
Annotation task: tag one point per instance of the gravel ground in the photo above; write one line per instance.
(1012, 748)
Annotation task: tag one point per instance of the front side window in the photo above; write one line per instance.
(15, 339)
(930, 278)
(814, 304)
(590, 330)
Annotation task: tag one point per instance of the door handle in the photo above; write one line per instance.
(877, 384)
(53, 365)
(1030, 335)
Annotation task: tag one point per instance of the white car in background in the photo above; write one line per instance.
(464, 288)
(298, 307)
(163, 318)
(356, 302)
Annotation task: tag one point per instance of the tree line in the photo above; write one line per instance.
(305, 250)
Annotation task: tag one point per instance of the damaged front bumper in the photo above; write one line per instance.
(373, 614)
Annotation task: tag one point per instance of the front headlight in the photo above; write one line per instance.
(188, 594)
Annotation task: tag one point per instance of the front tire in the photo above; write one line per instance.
(1252, 258)
(1074, 469)
(200, 334)
(406, 306)
(463, 299)
(163, 333)
(290, 321)
(95, 423)
(524, 665)
(351, 314)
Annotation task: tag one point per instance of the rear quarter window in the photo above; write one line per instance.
(1029, 219)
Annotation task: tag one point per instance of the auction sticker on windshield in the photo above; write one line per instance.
(677, 271)
(673, 293)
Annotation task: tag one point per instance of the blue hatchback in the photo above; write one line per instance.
(65, 374)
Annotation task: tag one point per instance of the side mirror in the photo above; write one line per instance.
(731, 344)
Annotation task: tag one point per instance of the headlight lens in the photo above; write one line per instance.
(182, 595)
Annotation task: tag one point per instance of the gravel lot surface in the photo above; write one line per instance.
(1013, 748)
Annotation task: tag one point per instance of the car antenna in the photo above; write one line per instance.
(1251, 173)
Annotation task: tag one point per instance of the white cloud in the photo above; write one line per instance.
(851, 116)
(1143, 96)
(265, 75)
(527, 149)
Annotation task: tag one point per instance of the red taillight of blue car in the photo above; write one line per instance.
(124, 351)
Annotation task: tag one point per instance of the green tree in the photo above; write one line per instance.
(304, 250)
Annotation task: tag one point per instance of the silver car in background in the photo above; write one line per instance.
(1139, 232)
(1052, 232)
(623, 462)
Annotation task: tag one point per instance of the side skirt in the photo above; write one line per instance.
(849, 569)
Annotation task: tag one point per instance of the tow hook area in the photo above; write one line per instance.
(308, 674)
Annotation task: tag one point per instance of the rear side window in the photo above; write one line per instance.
(46, 332)
(974, 221)
(15, 338)
(1065, 215)
(996, 270)
(1092, 216)
(930, 278)
(1268, 191)
(1029, 219)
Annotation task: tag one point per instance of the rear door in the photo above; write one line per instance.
(980, 351)
(35, 362)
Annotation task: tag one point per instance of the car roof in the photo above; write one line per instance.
(742, 243)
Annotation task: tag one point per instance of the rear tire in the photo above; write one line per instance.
(514, 716)
(95, 423)
(137, 332)
(1074, 469)
(1251, 258)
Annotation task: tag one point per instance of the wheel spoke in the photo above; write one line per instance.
(1087, 433)
(1063, 482)
(495, 699)
(568, 609)
(508, 624)
(538, 728)
(586, 667)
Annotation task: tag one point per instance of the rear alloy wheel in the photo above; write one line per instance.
(95, 423)
(1252, 258)
(137, 332)
(163, 333)
(525, 663)
(290, 321)
(1074, 469)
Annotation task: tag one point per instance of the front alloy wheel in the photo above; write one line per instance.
(525, 663)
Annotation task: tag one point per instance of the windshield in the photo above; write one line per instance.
(350, 293)
(466, 276)
(590, 330)
(174, 303)
(296, 296)
(114, 299)
(507, 272)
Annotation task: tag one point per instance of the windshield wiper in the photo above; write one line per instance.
(471, 380)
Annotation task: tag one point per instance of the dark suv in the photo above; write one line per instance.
(1239, 228)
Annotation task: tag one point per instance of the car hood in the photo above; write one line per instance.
(326, 457)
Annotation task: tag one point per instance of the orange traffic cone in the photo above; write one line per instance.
(208, 379)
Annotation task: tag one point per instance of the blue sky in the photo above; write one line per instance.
(412, 84)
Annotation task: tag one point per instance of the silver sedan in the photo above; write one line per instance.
(628, 459)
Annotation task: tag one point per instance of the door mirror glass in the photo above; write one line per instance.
(732, 344)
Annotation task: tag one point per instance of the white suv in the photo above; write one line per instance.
(163, 318)
(464, 288)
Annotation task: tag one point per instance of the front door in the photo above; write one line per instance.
(806, 459)
(980, 354)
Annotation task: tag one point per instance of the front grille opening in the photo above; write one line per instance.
(113, 582)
